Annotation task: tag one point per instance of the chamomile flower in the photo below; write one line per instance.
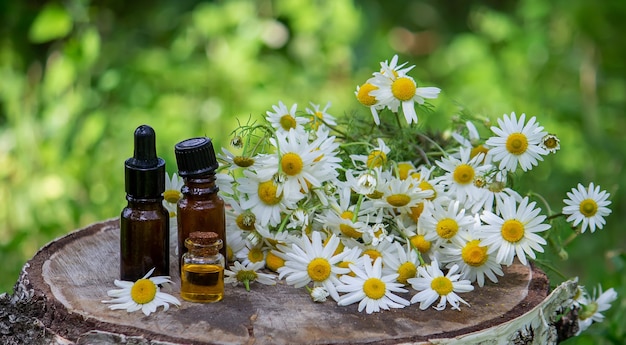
(404, 263)
(284, 120)
(517, 143)
(144, 294)
(415, 235)
(172, 193)
(592, 310)
(342, 222)
(382, 249)
(232, 162)
(514, 233)
(401, 195)
(319, 294)
(320, 117)
(376, 158)
(252, 253)
(395, 89)
(313, 262)
(550, 143)
(364, 97)
(473, 259)
(262, 198)
(432, 284)
(445, 223)
(246, 274)
(299, 162)
(373, 290)
(587, 206)
(365, 183)
(460, 174)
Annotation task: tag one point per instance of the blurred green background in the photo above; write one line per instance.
(78, 76)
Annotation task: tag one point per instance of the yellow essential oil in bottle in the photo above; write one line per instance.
(202, 271)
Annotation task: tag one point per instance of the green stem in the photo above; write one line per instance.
(543, 200)
(398, 120)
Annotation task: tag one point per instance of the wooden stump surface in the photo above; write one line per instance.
(71, 277)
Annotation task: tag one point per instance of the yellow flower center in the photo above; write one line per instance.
(463, 174)
(512, 230)
(376, 195)
(588, 310)
(291, 163)
(516, 143)
(447, 228)
(480, 181)
(346, 264)
(346, 229)
(403, 170)
(420, 243)
(317, 119)
(588, 207)
(245, 221)
(398, 200)
(441, 285)
(551, 142)
(273, 261)
(373, 254)
(403, 88)
(496, 187)
(243, 162)
(416, 211)
(143, 291)
(474, 254)
(172, 196)
(256, 255)
(406, 271)
(425, 185)
(376, 158)
(267, 193)
(374, 288)
(318, 269)
(478, 149)
(287, 122)
(364, 94)
(246, 275)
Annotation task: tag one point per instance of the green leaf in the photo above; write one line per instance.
(51, 23)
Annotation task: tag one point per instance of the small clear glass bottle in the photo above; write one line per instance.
(202, 269)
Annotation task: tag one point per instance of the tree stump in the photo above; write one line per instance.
(58, 300)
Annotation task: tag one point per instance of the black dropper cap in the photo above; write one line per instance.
(145, 172)
(195, 157)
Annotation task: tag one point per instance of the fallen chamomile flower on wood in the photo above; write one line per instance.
(144, 294)
(370, 288)
(433, 285)
(247, 274)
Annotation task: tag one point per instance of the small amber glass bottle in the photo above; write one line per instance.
(201, 208)
(202, 272)
(144, 222)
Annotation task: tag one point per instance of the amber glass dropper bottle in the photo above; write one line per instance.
(144, 222)
(200, 208)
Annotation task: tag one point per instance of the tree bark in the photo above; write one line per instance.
(58, 300)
